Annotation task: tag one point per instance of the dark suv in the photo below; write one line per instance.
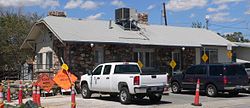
(214, 78)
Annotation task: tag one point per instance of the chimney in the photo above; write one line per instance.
(57, 13)
(143, 18)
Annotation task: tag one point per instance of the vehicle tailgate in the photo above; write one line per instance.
(154, 80)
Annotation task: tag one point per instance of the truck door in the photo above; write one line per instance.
(188, 78)
(201, 73)
(95, 85)
(105, 82)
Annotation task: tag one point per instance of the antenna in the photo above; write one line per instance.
(207, 21)
(164, 14)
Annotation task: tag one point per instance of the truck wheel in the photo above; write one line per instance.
(125, 97)
(211, 90)
(175, 87)
(155, 98)
(86, 93)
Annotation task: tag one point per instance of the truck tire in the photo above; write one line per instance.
(125, 96)
(175, 87)
(155, 98)
(211, 90)
(86, 93)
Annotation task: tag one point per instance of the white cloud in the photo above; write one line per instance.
(219, 8)
(20, 3)
(150, 7)
(222, 17)
(73, 4)
(50, 3)
(226, 1)
(96, 16)
(182, 5)
(91, 5)
(118, 3)
(247, 12)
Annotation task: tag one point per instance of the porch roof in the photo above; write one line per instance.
(84, 30)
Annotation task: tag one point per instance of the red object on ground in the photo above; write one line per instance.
(73, 98)
(20, 94)
(1, 97)
(34, 93)
(197, 94)
(38, 96)
(8, 93)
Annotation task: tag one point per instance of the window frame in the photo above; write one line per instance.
(105, 71)
(100, 66)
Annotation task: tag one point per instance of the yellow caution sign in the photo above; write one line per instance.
(229, 54)
(140, 63)
(172, 64)
(204, 57)
(65, 67)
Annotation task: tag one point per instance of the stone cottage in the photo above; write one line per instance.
(84, 43)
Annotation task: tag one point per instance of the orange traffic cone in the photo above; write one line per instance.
(38, 96)
(20, 94)
(197, 94)
(1, 97)
(73, 98)
(34, 93)
(8, 93)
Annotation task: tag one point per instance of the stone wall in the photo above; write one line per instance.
(80, 56)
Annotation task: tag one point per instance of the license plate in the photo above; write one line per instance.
(153, 88)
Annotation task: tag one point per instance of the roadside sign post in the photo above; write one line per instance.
(204, 56)
(66, 80)
(229, 51)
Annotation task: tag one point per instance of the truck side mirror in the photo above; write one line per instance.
(89, 72)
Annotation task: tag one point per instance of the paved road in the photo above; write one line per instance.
(173, 100)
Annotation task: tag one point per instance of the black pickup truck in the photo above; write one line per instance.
(214, 78)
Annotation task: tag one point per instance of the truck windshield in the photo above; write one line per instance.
(127, 69)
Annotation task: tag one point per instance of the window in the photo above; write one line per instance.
(212, 55)
(127, 69)
(107, 69)
(191, 70)
(232, 70)
(145, 57)
(49, 60)
(39, 60)
(98, 56)
(216, 70)
(177, 59)
(200, 70)
(98, 70)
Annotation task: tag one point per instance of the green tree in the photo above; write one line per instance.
(14, 27)
(235, 37)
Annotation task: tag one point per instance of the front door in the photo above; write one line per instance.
(105, 82)
(188, 78)
(96, 82)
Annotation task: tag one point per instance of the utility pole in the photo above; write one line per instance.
(164, 14)
(207, 21)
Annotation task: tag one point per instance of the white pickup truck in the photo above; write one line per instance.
(124, 79)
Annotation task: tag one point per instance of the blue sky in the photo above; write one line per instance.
(225, 16)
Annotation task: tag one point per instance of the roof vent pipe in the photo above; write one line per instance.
(110, 24)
